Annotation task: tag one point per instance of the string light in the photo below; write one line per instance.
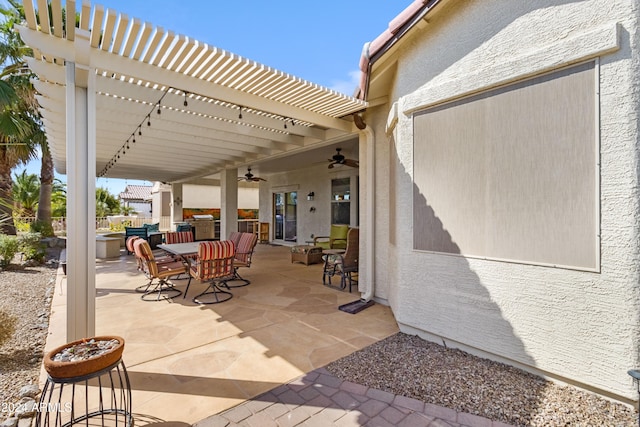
(158, 108)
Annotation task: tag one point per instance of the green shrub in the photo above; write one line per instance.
(7, 326)
(44, 228)
(32, 247)
(22, 226)
(9, 247)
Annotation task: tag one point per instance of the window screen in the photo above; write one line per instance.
(512, 173)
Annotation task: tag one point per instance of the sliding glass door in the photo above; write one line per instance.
(285, 216)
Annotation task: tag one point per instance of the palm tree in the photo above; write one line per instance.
(26, 191)
(58, 199)
(20, 128)
(106, 203)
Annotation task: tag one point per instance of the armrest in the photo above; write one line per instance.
(315, 239)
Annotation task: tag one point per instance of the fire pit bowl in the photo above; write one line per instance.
(84, 357)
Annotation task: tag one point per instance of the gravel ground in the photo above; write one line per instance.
(409, 366)
(25, 301)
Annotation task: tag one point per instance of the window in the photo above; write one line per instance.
(340, 201)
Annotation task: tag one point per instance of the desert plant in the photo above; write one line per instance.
(7, 327)
(9, 247)
(32, 247)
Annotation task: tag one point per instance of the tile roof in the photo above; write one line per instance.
(398, 26)
(136, 192)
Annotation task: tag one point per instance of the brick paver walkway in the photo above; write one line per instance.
(319, 399)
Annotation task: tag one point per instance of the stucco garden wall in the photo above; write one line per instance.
(576, 326)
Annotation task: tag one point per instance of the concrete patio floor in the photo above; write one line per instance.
(187, 362)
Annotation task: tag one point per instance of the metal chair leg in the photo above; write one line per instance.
(218, 294)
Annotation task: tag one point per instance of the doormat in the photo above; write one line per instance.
(356, 306)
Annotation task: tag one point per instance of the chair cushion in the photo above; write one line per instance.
(179, 237)
(152, 227)
(215, 260)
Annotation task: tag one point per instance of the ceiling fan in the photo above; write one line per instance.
(249, 177)
(339, 159)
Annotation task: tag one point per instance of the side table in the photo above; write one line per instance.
(79, 389)
(306, 254)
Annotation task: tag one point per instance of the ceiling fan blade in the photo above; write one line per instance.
(331, 165)
(352, 163)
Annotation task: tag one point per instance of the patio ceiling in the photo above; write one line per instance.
(217, 110)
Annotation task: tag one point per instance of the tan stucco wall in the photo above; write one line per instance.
(205, 196)
(577, 326)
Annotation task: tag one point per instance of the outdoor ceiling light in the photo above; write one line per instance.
(185, 103)
(240, 114)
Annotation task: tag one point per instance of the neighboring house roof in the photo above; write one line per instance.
(136, 192)
(397, 28)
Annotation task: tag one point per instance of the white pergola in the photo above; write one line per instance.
(122, 98)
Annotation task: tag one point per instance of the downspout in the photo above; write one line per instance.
(370, 229)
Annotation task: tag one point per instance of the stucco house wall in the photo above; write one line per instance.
(208, 196)
(316, 179)
(572, 325)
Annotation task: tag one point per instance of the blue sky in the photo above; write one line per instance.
(317, 41)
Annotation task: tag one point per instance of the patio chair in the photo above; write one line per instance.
(337, 238)
(178, 237)
(184, 227)
(345, 264)
(214, 264)
(141, 232)
(244, 252)
(129, 245)
(234, 236)
(163, 288)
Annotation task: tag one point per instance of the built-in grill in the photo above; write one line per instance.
(203, 227)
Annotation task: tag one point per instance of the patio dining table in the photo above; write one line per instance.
(187, 251)
(181, 249)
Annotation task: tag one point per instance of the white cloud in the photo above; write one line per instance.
(347, 87)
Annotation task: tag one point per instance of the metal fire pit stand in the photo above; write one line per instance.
(66, 401)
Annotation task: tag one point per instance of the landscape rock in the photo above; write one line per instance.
(26, 409)
(30, 390)
(10, 422)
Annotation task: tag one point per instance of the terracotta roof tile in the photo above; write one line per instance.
(380, 43)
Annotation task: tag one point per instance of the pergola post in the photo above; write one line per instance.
(228, 202)
(81, 201)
